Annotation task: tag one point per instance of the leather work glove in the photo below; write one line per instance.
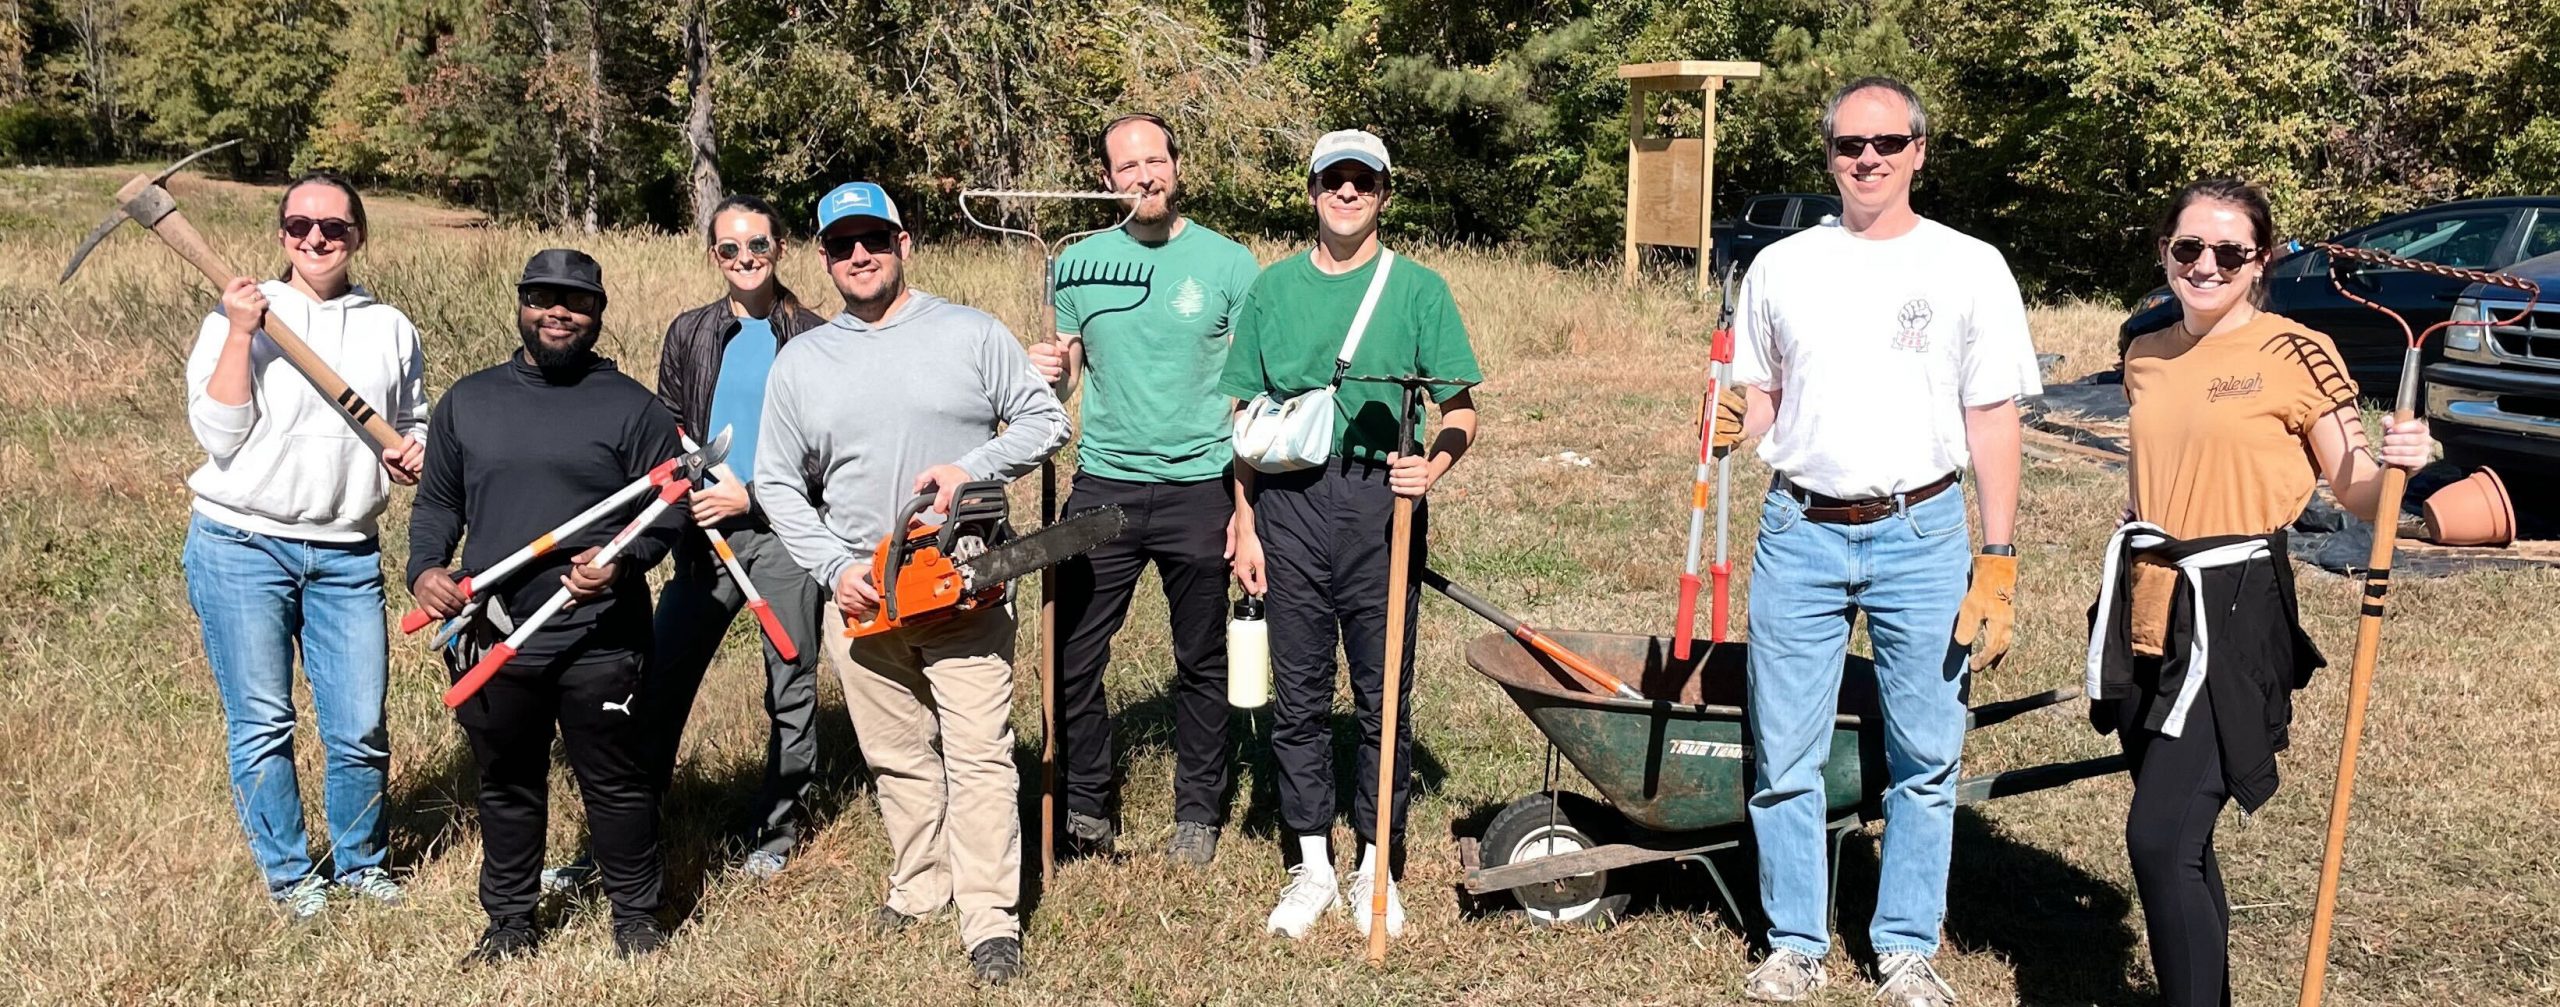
(1729, 407)
(1990, 609)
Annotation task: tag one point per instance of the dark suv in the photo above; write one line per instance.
(2495, 398)
(1765, 219)
(2482, 234)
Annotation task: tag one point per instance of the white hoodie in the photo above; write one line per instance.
(287, 463)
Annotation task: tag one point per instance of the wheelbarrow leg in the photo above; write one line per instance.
(1840, 830)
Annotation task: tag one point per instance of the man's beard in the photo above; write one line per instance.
(543, 356)
(1172, 208)
(893, 284)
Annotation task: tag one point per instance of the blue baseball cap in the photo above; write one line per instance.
(857, 199)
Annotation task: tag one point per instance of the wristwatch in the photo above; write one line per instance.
(1999, 550)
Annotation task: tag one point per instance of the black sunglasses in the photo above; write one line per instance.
(728, 248)
(838, 246)
(332, 228)
(2228, 255)
(1363, 181)
(1886, 144)
(581, 302)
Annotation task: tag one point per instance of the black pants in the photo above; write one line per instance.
(693, 618)
(1325, 544)
(510, 722)
(2178, 794)
(1181, 528)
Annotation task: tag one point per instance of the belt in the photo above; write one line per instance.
(1833, 510)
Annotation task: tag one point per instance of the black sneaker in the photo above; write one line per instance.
(504, 939)
(1194, 844)
(996, 960)
(886, 921)
(1091, 836)
(643, 936)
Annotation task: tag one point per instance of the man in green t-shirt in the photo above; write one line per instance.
(1317, 539)
(1144, 312)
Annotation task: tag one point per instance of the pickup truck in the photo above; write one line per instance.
(2482, 234)
(2495, 398)
(1764, 220)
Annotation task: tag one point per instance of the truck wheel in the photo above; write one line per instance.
(1538, 826)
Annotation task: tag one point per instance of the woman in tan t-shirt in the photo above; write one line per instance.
(2236, 414)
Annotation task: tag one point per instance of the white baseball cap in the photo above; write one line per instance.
(1348, 145)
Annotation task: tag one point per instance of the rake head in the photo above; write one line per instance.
(2532, 291)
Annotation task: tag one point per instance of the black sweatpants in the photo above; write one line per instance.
(2178, 794)
(1325, 544)
(510, 722)
(1181, 528)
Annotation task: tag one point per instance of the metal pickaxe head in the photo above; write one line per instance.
(142, 200)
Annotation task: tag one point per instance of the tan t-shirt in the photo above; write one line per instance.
(2220, 432)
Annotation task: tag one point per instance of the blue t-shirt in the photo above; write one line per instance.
(737, 399)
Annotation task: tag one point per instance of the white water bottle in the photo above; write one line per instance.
(1248, 656)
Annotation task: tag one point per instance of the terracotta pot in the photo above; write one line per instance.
(2475, 511)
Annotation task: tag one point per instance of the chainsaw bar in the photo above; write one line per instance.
(1042, 549)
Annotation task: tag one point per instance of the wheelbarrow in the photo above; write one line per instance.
(1676, 770)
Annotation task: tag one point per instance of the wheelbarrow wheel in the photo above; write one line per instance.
(1539, 826)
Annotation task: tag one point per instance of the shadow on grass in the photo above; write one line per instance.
(706, 821)
(2069, 934)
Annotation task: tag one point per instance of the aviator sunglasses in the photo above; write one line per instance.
(761, 245)
(2228, 255)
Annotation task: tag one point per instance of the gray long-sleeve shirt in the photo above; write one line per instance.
(856, 410)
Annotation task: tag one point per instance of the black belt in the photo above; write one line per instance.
(1834, 510)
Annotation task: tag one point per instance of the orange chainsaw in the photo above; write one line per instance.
(927, 573)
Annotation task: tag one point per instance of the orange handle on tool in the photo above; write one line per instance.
(1524, 633)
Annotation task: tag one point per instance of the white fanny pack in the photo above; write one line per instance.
(1297, 433)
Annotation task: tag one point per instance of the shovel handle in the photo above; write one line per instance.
(183, 238)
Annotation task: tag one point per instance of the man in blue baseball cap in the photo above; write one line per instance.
(906, 393)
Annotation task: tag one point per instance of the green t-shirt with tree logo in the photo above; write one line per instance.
(1292, 329)
(1155, 322)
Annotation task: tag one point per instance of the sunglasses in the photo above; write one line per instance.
(332, 228)
(1363, 181)
(761, 245)
(579, 302)
(2228, 255)
(838, 246)
(1886, 144)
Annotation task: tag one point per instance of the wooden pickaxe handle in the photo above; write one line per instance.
(190, 245)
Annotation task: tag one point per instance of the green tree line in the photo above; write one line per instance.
(2058, 125)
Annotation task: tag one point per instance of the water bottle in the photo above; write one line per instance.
(1248, 656)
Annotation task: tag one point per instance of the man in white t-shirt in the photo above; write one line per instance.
(1884, 354)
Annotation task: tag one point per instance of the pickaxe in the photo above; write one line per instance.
(145, 202)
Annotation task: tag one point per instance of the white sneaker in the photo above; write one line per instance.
(1361, 887)
(1302, 903)
(1904, 979)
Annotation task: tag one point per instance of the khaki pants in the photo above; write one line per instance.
(932, 707)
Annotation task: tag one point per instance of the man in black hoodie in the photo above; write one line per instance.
(512, 451)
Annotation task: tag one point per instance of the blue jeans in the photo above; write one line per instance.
(1908, 573)
(258, 597)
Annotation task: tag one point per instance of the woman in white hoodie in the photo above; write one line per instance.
(282, 553)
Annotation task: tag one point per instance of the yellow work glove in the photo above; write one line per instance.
(1729, 406)
(1990, 609)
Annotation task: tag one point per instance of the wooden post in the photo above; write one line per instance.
(1635, 131)
(1663, 206)
(1706, 184)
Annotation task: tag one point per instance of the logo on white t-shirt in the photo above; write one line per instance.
(1913, 326)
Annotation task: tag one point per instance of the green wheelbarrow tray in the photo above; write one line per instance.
(1678, 767)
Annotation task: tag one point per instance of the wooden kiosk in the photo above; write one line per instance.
(1670, 182)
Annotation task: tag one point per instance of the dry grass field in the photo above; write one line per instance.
(126, 879)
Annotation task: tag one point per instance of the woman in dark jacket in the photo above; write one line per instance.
(2195, 649)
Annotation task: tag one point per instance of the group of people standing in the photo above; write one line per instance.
(1880, 355)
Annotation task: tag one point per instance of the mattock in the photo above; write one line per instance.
(1047, 326)
(144, 201)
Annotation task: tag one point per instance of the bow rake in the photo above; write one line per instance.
(1048, 480)
(2377, 582)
